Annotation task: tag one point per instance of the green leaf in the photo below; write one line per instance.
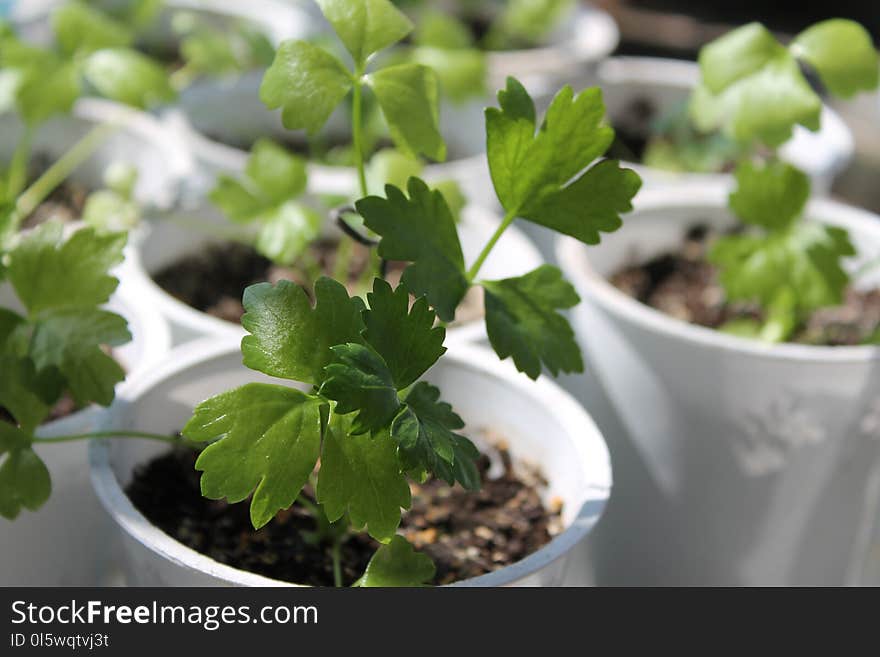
(544, 177)
(80, 28)
(842, 53)
(805, 259)
(307, 83)
(407, 94)
(70, 340)
(358, 380)
(128, 77)
(360, 474)
(268, 438)
(397, 564)
(462, 73)
(52, 91)
(108, 211)
(235, 199)
(427, 442)
(752, 88)
(290, 339)
(286, 231)
(24, 478)
(404, 337)
(20, 392)
(526, 23)
(391, 167)
(771, 195)
(279, 175)
(522, 321)
(365, 26)
(420, 229)
(50, 272)
(439, 30)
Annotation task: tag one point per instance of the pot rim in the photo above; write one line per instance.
(196, 321)
(573, 256)
(584, 437)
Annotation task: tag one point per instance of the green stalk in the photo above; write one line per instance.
(60, 170)
(336, 554)
(357, 130)
(18, 165)
(108, 434)
(475, 268)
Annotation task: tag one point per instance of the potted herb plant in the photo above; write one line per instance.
(738, 343)
(62, 349)
(349, 381)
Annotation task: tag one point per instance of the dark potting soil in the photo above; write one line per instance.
(466, 533)
(684, 285)
(632, 130)
(213, 280)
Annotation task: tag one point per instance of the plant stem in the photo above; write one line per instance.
(336, 554)
(60, 170)
(18, 164)
(357, 130)
(475, 268)
(108, 434)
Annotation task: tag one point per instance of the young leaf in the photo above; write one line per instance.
(771, 195)
(365, 26)
(544, 177)
(397, 564)
(461, 72)
(290, 339)
(523, 321)
(407, 94)
(420, 229)
(268, 438)
(80, 28)
(128, 77)
(360, 474)
(753, 88)
(842, 53)
(70, 340)
(24, 478)
(50, 272)
(286, 231)
(307, 83)
(427, 442)
(277, 174)
(404, 337)
(359, 381)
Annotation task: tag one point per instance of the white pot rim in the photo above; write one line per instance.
(575, 260)
(593, 452)
(681, 74)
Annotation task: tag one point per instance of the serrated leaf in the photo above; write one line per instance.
(770, 194)
(129, 77)
(522, 321)
(358, 380)
(397, 564)
(24, 479)
(544, 176)
(805, 259)
(360, 474)
(753, 88)
(427, 442)
(80, 28)
(405, 337)
(20, 392)
(306, 83)
(268, 438)
(70, 340)
(408, 96)
(421, 230)
(365, 26)
(50, 272)
(290, 339)
(842, 53)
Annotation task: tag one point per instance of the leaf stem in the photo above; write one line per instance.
(357, 130)
(60, 170)
(475, 268)
(18, 164)
(108, 434)
(336, 554)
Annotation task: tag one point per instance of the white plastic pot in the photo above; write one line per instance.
(666, 83)
(166, 241)
(570, 54)
(65, 543)
(162, 162)
(542, 423)
(743, 463)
